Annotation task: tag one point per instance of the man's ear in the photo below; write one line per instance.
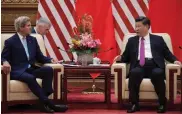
(21, 28)
(147, 26)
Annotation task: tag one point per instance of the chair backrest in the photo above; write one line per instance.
(165, 36)
(5, 36)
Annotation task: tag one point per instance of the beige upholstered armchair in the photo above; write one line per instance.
(16, 92)
(147, 92)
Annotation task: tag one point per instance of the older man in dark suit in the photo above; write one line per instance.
(19, 55)
(146, 53)
(42, 26)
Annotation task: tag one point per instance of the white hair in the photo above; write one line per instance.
(21, 22)
(43, 21)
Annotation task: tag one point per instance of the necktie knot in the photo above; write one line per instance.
(24, 38)
(142, 38)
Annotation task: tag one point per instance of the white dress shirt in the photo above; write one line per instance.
(24, 43)
(148, 52)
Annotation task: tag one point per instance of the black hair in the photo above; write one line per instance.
(144, 20)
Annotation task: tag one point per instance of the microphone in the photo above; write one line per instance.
(69, 43)
(63, 50)
(106, 50)
(111, 48)
(72, 62)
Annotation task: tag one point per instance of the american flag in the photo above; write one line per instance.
(124, 13)
(61, 13)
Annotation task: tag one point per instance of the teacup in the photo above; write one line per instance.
(96, 61)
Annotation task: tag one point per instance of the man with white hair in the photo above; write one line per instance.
(19, 55)
(42, 26)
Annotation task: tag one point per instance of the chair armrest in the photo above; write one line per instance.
(172, 71)
(5, 80)
(58, 75)
(173, 66)
(119, 72)
(118, 66)
(56, 66)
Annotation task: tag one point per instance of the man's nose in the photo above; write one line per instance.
(138, 28)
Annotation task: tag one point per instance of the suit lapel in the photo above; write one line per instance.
(137, 46)
(152, 44)
(29, 43)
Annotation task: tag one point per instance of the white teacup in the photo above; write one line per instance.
(96, 61)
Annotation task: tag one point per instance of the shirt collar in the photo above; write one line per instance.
(20, 36)
(35, 28)
(146, 37)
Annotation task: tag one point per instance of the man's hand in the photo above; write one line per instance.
(6, 67)
(177, 62)
(54, 61)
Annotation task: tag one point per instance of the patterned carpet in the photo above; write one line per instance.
(90, 104)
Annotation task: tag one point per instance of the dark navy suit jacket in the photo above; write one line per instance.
(159, 49)
(15, 54)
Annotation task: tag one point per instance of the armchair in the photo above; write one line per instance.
(17, 92)
(147, 92)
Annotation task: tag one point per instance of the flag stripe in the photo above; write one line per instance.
(118, 29)
(137, 7)
(123, 16)
(60, 24)
(50, 39)
(55, 24)
(53, 45)
(67, 13)
(64, 19)
(143, 6)
(132, 9)
(45, 41)
(71, 8)
(73, 3)
(49, 48)
(118, 40)
(56, 38)
(63, 16)
(71, 20)
(127, 12)
(121, 23)
(146, 3)
(53, 35)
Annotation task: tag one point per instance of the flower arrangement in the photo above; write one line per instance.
(83, 40)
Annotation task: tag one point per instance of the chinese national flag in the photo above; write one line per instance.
(103, 27)
(166, 17)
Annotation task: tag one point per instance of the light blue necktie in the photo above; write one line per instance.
(26, 49)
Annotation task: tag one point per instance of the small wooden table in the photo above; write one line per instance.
(80, 70)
